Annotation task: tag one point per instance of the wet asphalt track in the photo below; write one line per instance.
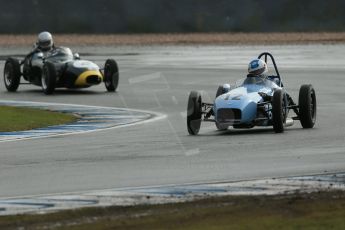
(159, 153)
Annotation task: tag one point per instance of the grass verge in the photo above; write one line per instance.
(320, 210)
(18, 119)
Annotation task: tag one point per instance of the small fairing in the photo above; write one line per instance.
(257, 84)
(60, 54)
(239, 105)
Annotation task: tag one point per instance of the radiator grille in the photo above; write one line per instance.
(228, 115)
(93, 80)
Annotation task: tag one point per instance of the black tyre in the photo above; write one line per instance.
(307, 106)
(111, 75)
(220, 91)
(194, 113)
(48, 79)
(278, 111)
(12, 74)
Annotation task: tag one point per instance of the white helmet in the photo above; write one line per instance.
(45, 41)
(257, 67)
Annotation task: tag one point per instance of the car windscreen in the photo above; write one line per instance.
(61, 54)
(256, 82)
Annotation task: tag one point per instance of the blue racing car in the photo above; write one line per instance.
(258, 100)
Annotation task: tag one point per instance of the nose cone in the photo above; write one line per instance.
(88, 78)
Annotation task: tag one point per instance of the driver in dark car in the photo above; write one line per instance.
(44, 42)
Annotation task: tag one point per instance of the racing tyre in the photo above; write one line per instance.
(48, 78)
(12, 74)
(111, 75)
(194, 113)
(307, 106)
(278, 111)
(220, 91)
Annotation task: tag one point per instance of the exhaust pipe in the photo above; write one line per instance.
(288, 122)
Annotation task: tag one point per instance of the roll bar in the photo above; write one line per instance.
(265, 55)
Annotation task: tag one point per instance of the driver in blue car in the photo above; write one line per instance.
(258, 68)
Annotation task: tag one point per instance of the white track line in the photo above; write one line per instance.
(168, 193)
(130, 118)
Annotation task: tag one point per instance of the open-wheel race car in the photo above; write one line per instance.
(254, 101)
(59, 68)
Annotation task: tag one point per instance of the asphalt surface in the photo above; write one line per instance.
(159, 79)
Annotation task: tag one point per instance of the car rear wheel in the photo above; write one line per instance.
(278, 111)
(194, 113)
(48, 79)
(307, 106)
(12, 74)
(111, 75)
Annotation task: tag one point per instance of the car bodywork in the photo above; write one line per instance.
(240, 105)
(67, 69)
(72, 72)
(254, 101)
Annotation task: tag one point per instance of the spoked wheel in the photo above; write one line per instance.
(111, 75)
(48, 79)
(12, 74)
(307, 106)
(194, 113)
(278, 111)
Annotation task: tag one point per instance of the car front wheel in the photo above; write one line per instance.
(48, 78)
(278, 111)
(307, 106)
(194, 113)
(111, 75)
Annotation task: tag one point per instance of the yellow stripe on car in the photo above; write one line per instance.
(81, 80)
